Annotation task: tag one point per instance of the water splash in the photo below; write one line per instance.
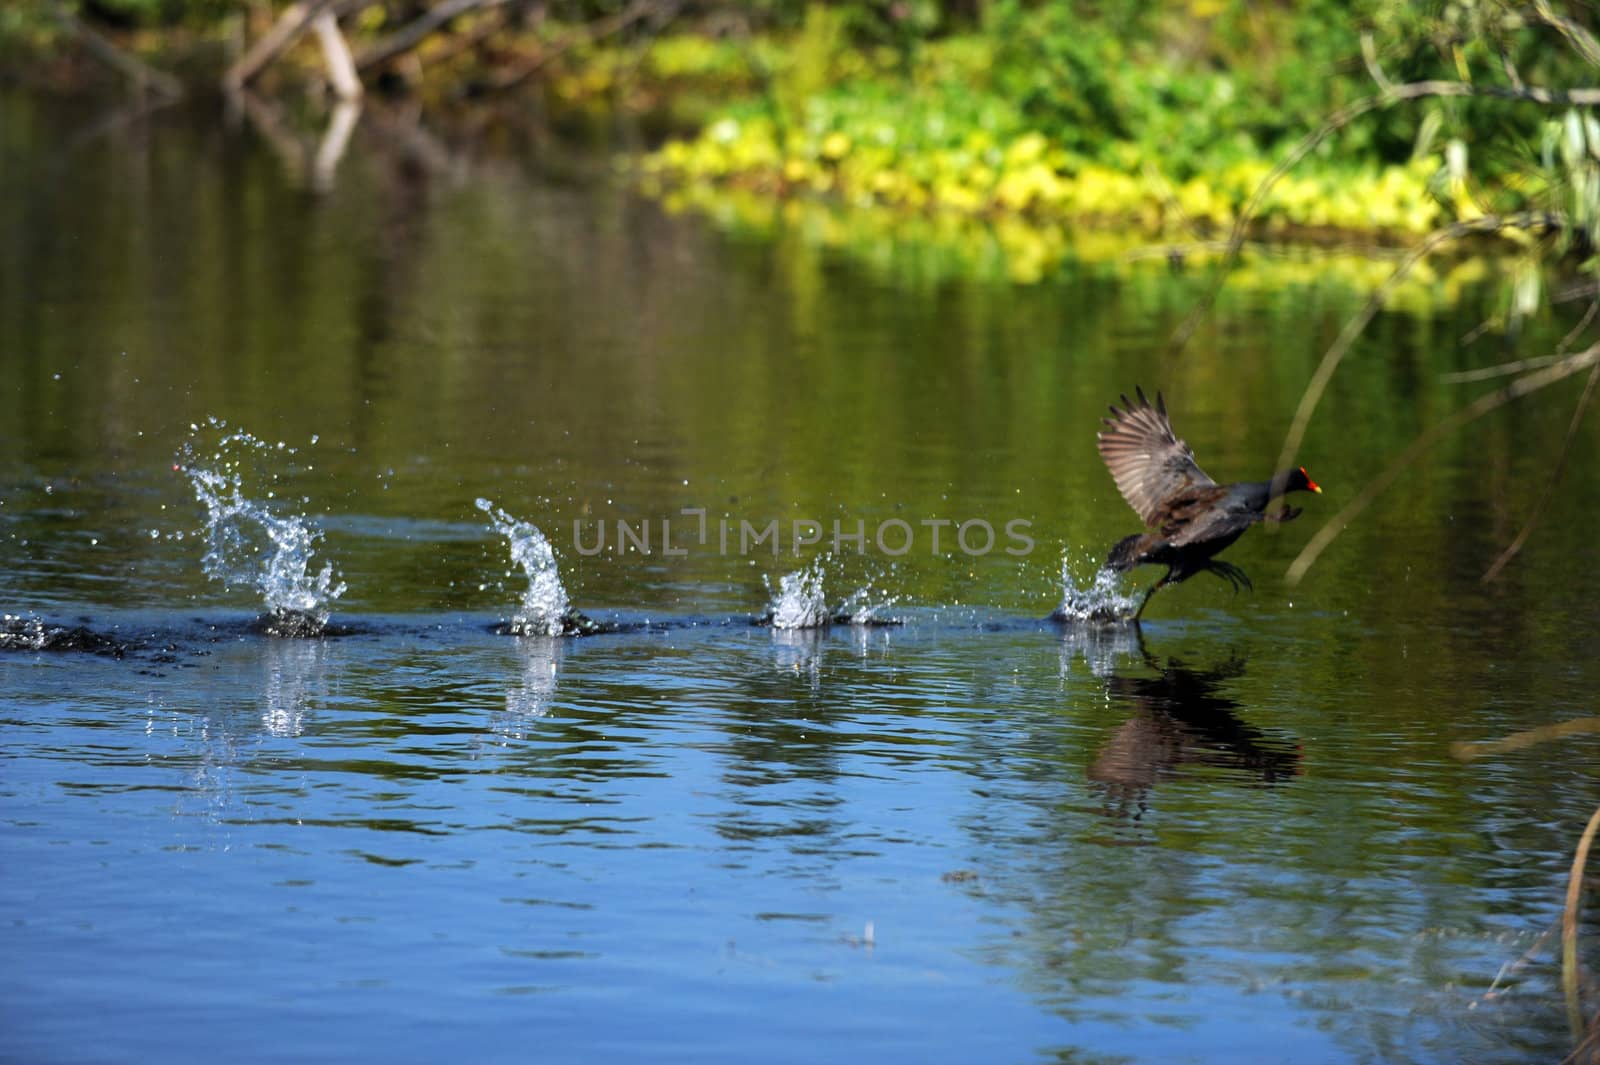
(800, 602)
(868, 606)
(247, 545)
(22, 633)
(545, 609)
(1101, 600)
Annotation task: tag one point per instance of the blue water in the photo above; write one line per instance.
(947, 841)
(1236, 835)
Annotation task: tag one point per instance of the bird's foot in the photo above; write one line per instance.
(1232, 574)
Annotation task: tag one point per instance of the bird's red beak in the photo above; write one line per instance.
(1313, 485)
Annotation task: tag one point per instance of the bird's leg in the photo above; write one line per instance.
(1232, 574)
(1154, 588)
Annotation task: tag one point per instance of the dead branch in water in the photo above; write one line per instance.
(296, 19)
(342, 75)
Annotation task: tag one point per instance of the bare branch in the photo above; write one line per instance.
(293, 23)
(1475, 334)
(336, 54)
(1483, 405)
(594, 31)
(1369, 56)
(130, 66)
(1577, 330)
(1511, 70)
(415, 32)
(1505, 369)
(1555, 479)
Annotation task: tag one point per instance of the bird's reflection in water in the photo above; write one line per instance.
(1181, 718)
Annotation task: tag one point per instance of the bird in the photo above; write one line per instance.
(1189, 517)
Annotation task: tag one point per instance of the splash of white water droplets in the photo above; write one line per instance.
(545, 607)
(247, 544)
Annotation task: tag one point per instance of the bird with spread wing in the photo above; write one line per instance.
(1190, 517)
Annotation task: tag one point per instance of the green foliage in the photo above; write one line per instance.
(810, 63)
(1058, 68)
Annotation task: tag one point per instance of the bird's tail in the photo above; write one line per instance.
(1125, 555)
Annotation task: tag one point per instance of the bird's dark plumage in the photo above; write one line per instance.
(1191, 517)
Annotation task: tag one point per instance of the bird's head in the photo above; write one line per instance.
(1300, 481)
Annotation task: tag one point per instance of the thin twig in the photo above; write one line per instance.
(1169, 200)
(294, 22)
(1511, 70)
(1583, 323)
(417, 30)
(1483, 405)
(594, 31)
(1369, 56)
(1569, 928)
(1473, 335)
(1580, 38)
(1555, 478)
(1504, 369)
(1354, 327)
(492, 22)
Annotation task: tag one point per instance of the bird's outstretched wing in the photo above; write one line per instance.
(1151, 466)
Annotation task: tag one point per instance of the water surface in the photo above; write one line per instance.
(973, 836)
